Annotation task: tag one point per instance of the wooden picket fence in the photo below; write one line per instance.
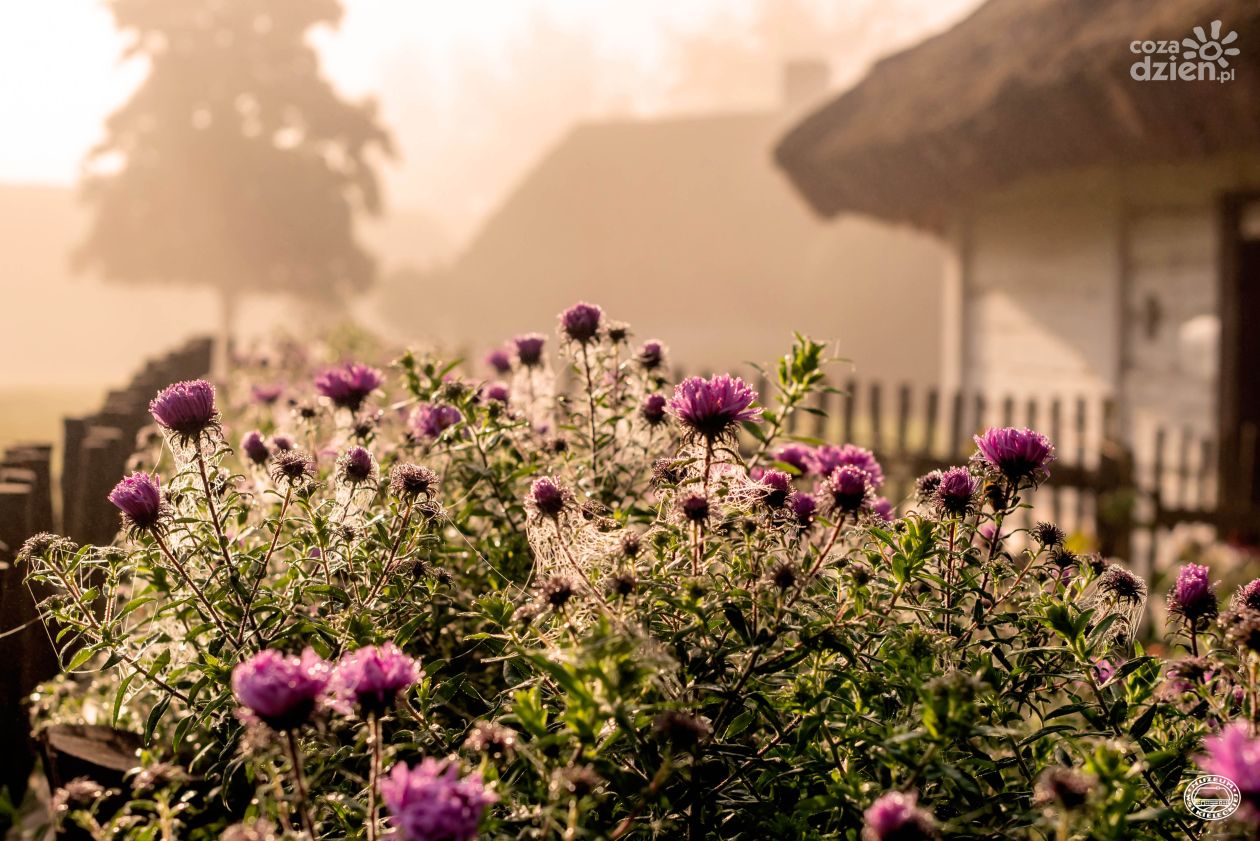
(94, 455)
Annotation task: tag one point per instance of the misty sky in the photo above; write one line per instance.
(430, 62)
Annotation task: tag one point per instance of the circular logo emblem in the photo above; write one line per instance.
(1212, 798)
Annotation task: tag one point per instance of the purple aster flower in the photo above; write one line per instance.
(548, 497)
(955, 492)
(529, 349)
(694, 507)
(500, 359)
(652, 409)
(372, 677)
(827, 458)
(804, 508)
(266, 395)
(1016, 453)
(776, 487)
(1103, 670)
(139, 498)
(1193, 596)
(1235, 755)
(883, 510)
(581, 321)
(1247, 596)
(185, 408)
(281, 691)
(432, 803)
(347, 386)
(431, 420)
(712, 408)
(254, 447)
(849, 487)
(356, 466)
(798, 456)
(281, 443)
(896, 816)
(651, 355)
(498, 393)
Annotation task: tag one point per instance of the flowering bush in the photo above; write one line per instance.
(419, 602)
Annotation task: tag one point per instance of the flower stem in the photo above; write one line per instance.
(262, 566)
(299, 783)
(590, 400)
(211, 613)
(388, 567)
(374, 774)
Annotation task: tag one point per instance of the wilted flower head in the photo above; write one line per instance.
(371, 677)
(829, 457)
(412, 480)
(1235, 755)
(796, 455)
(581, 322)
(652, 409)
(1120, 585)
(651, 355)
(896, 816)
(547, 497)
(1064, 787)
(712, 408)
(556, 591)
(784, 575)
(431, 420)
(139, 498)
(254, 447)
(78, 793)
(804, 508)
(848, 487)
(348, 385)
(694, 507)
(281, 691)
(1193, 596)
(41, 544)
(432, 803)
(1242, 628)
(500, 359)
(292, 466)
(956, 492)
(280, 443)
(925, 486)
(529, 349)
(356, 466)
(1016, 453)
(185, 408)
(1247, 596)
(1048, 534)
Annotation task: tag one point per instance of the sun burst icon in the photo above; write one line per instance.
(1213, 48)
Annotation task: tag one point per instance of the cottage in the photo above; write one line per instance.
(682, 226)
(1094, 167)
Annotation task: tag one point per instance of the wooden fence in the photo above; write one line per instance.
(93, 456)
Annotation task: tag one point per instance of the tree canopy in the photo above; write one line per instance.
(235, 164)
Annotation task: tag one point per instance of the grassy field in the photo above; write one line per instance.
(34, 413)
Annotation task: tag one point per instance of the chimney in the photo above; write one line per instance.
(805, 82)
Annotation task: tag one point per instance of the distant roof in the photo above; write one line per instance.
(683, 227)
(1022, 87)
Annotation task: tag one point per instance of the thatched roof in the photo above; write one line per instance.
(1022, 87)
(684, 227)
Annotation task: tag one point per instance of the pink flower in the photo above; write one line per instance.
(827, 458)
(349, 385)
(895, 816)
(1016, 453)
(139, 498)
(1235, 754)
(372, 677)
(432, 803)
(186, 408)
(712, 408)
(281, 691)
